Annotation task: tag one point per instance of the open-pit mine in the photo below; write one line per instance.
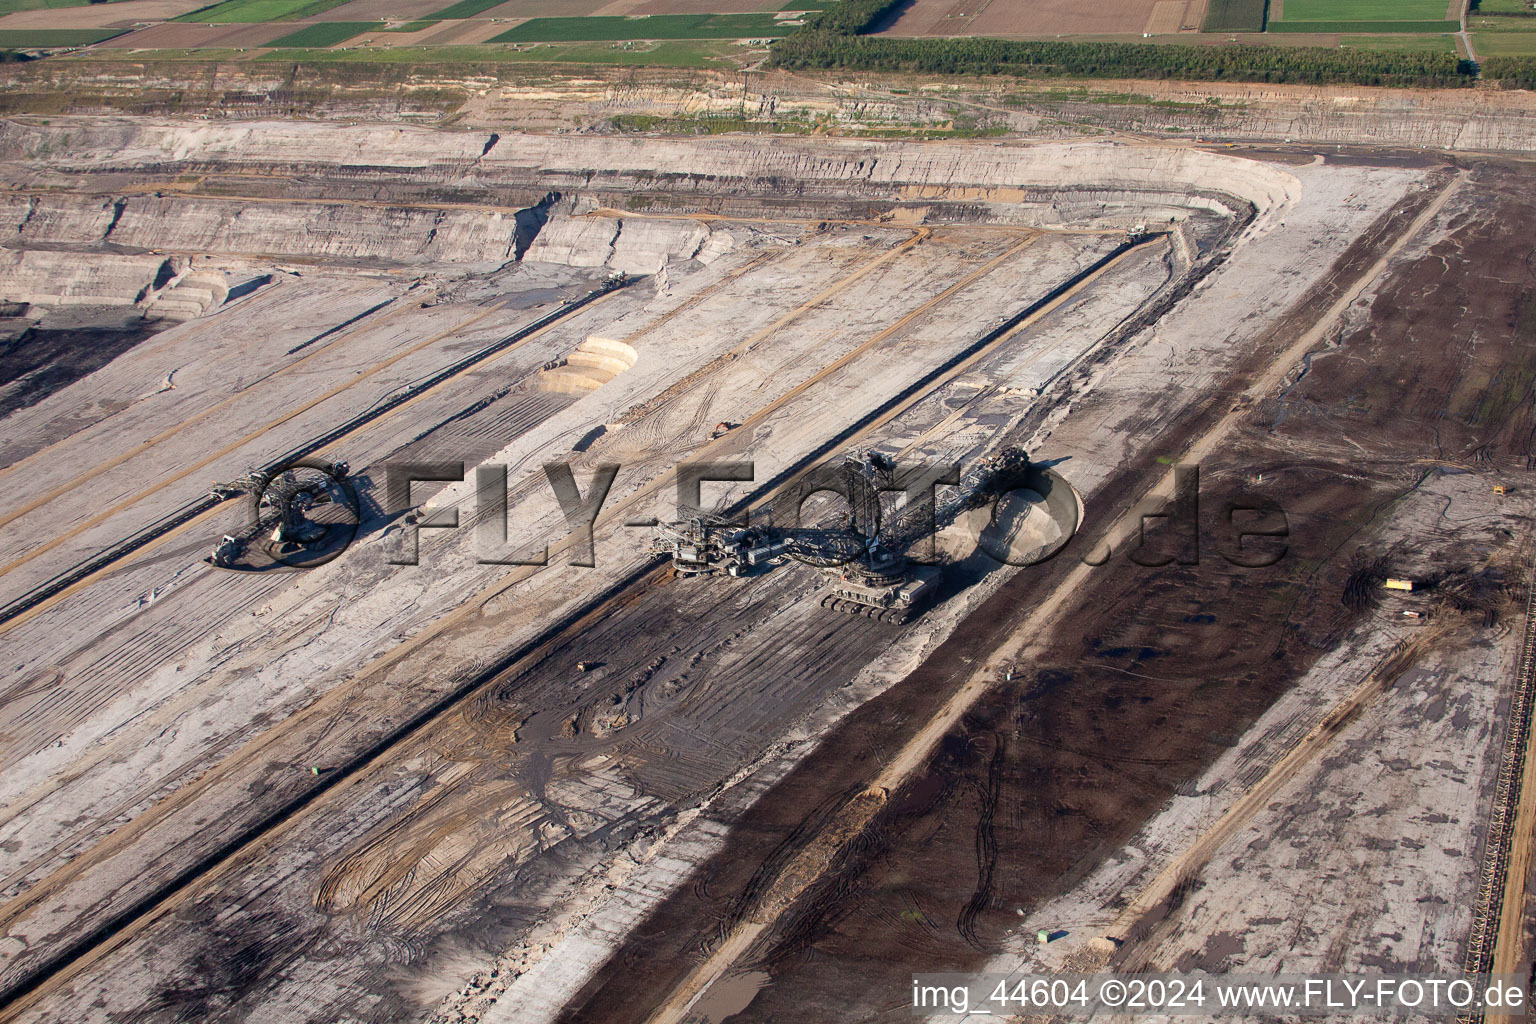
(456, 575)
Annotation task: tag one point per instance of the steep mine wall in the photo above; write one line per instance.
(634, 246)
(98, 203)
(770, 168)
(512, 96)
(157, 286)
(255, 228)
(348, 232)
(66, 279)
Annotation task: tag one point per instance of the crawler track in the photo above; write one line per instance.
(1493, 943)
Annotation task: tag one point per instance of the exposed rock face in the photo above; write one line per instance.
(149, 198)
(160, 287)
(507, 97)
(43, 278)
(778, 171)
(190, 295)
(632, 245)
(271, 228)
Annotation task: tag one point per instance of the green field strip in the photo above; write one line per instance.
(47, 38)
(254, 12)
(1504, 44)
(1364, 10)
(673, 54)
(1364, 26)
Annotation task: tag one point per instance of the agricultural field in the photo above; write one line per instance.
(448, 33)
(1517, 7)
(1361, 16)
(564, 31)
(662, 26)
(1235, 16)
(546, 31)
(1501, 23)
(1364, 10)
(11, 6)
(1364, 26)
(675, 54)
(1503, 28)
(1040, 18)
(117, 15)
(1505, 44)
(42, 38)
(257, 11)
(676, 7)
(1174, 20)
(464, 9)
(326, 33)
(201, 39)
(1421, 43)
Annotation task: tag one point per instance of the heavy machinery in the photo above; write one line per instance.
(868, 559)
(704, 543)
(302, 509)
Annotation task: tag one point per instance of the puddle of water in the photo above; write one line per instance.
(728, 996)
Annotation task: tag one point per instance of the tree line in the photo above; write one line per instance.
(850, 17)
(981, 56)
(1511, 72)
